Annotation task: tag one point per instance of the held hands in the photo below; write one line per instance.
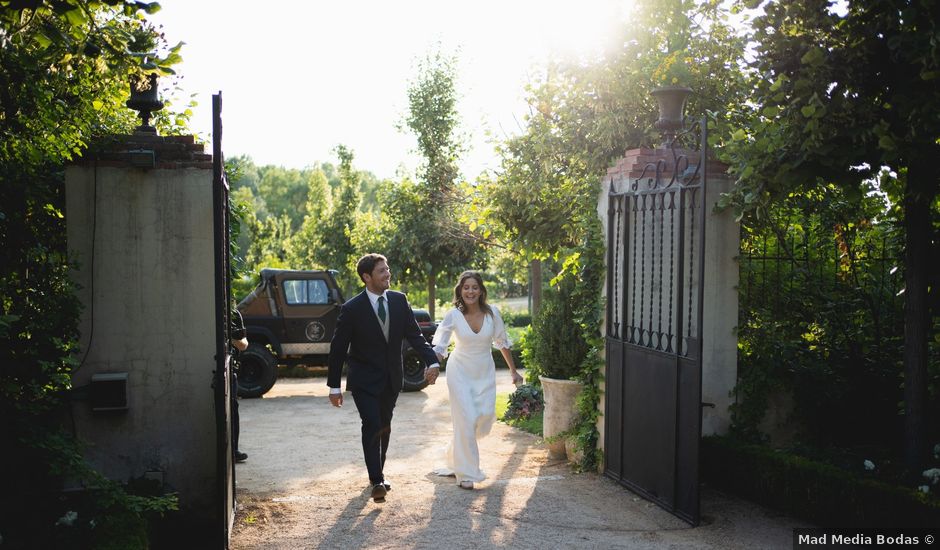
(431, 374)
(336, 399)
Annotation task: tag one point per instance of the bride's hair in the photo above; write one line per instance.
(458, 299)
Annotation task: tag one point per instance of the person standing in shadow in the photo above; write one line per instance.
(239, 341)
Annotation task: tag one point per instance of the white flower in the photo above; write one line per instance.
(924, 489)
(933, 475)
(869, 465)
(68, 519)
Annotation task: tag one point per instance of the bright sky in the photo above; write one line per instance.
(299, 77)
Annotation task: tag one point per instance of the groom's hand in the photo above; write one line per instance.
(336, 399)
(430, 374)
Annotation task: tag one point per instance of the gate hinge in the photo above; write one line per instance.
(704, 404)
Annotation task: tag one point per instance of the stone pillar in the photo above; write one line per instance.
(722, 238)
(140, 229)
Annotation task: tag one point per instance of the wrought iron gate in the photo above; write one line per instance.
(656, 239)
(225, 470)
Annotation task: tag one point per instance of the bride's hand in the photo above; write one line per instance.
(516, 378)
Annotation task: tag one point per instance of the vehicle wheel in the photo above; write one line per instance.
(414, 371)
(257, 371)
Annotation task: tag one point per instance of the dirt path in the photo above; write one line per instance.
(304, 486)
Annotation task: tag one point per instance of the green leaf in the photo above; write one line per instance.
(929, 75)
(814, 57)
(43, 40)
(76, 17)
(150, 7)
(739, 135)
(808, 110)
(887, 143)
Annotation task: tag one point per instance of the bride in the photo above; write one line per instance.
(476, 328)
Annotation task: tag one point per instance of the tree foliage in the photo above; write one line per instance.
(429, 241)
(65, 68)
(336, 225)
(836, 99)
(582, 117)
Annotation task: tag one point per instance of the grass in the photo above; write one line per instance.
(533, 424)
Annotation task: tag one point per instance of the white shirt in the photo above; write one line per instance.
(374, 299)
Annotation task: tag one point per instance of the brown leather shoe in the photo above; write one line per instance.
(378, 492)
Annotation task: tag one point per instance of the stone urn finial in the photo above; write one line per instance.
(145, 100)
(671, 107)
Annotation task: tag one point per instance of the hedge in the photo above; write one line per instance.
(810, 490)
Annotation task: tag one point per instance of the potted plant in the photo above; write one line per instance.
(144, 96)
(554, 351)
(671, 78)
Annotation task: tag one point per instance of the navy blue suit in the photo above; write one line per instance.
(374, 367)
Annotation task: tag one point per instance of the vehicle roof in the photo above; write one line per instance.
(269, 272)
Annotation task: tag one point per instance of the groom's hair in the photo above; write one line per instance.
(367, 263)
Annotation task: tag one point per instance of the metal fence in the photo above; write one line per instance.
(820, 263)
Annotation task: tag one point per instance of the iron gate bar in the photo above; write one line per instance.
(225, 470)
(654, 369)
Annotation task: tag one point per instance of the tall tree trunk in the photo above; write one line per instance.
(535, 286)
(432, 298)
(919, 192)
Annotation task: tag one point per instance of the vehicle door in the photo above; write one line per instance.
(310, 311)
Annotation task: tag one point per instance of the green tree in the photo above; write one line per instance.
(306, 241)
(430, 242)
(271, 242)
(836, 98)
(421, 246)
(335, 249)
(64, 73)
(283, 189)
(582, 116)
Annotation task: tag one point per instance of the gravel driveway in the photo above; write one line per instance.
(304, 486)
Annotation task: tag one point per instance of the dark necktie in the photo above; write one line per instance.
(382, 309)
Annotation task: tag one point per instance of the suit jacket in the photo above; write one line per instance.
(359, 342)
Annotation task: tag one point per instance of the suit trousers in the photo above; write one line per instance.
(376, 414)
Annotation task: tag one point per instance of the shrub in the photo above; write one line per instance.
(812, 490)
(512, 319)
(523, 403)
(554, 346)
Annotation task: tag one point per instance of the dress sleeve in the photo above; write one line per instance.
(441, 339)
(500, 337)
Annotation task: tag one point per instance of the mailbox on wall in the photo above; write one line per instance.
(108, 391)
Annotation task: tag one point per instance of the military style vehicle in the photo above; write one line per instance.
(290, 318)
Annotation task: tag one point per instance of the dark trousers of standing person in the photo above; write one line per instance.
(235, 423)
(376, 414)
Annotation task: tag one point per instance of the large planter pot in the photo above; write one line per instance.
(560, 412)
(671, 107)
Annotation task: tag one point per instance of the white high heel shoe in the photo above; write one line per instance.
(465, 484)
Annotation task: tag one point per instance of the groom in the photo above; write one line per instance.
(368, 338)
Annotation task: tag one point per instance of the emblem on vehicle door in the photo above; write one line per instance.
(315, 331)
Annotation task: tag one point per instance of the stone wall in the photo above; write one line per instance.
(140, 228)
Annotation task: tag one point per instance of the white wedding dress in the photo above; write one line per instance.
(471, 384)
